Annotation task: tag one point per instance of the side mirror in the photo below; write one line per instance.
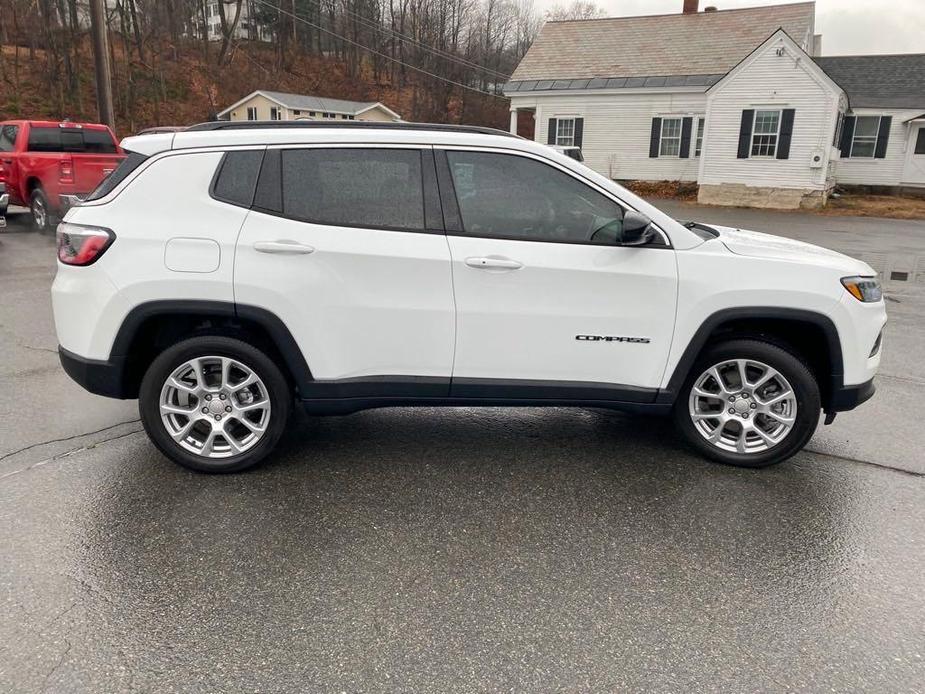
(637, 229)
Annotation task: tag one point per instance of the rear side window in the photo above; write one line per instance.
(376, 188)
(50, 139)
(131, 162)
(237, 177)
(8, 137)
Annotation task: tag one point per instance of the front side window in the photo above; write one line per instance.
(670, 145)
(765, 133)
(698, 143)
(376, 188)
(565, 132)
(8, 135)
(251, 113)
(510, 196)
(864, 141)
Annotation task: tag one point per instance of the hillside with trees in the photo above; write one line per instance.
(430, 60)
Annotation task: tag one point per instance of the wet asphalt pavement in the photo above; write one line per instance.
(460, 549)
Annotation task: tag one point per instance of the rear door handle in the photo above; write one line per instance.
(494, 263)
(283, 247)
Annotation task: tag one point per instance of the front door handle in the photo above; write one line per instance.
(494, 263)
(283, 247)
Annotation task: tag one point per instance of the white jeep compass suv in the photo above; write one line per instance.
(224, 272)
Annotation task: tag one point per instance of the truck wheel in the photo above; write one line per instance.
(214, 404)
(748, 403)
(38, 205)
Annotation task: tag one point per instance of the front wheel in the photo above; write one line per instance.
(214, 404)
(748, 403)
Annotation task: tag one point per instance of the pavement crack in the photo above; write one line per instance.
(63, 439)
(71, 452)
(882, 466)
(904, 379)
(58, 664)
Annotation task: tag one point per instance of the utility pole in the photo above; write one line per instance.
(99, 30)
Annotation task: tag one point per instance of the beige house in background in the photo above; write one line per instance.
(266, 105)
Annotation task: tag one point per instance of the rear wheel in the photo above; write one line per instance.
(38, 206)
(214, 404)
(748, 403)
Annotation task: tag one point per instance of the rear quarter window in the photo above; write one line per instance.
(131, 162)
(236, 178)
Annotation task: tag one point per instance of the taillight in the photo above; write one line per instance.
(66, 170)
(79, 244)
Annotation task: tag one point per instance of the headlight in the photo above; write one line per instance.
(866, 289)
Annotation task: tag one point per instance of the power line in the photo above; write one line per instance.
(371, 24)
(379, 53)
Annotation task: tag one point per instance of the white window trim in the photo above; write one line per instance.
(565, 140)
(751, 144)
(875, 137)
(701, 128)
(662, 138)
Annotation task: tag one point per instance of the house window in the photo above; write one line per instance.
(670, 144)
(864, 141)
(329, 115)
(565, 132)
(251, 113)
(274, 113)
(698, 143)
(765, 133)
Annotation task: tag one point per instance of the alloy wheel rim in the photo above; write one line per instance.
(38, 213)
(215, 407)
(743, 406)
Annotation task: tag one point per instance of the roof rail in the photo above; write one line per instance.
(281, 124)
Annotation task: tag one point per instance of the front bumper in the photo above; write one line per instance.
(847, 398)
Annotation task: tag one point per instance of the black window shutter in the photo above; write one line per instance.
(745, 133)
(883, 137)
(551, 136)
(655, 138)
(786, 133)
(579, 131)
(847, 132)
(685, 138)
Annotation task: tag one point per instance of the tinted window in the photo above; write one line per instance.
(515, 197)
(99, 142)
(125, 167)
(8, 137)
(45, 139)
(237, 177)
(378, 188)
(920, 142)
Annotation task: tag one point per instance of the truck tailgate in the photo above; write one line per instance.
(91, 169)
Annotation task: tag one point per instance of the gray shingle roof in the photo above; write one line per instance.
(879, 81)
(704, 43)
(305, 102)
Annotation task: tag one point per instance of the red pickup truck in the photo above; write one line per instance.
(41, 161)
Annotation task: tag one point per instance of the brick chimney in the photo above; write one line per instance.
(691, 6)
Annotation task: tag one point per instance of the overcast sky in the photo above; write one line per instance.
(848, 27)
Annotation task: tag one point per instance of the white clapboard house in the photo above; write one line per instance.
(739, 101)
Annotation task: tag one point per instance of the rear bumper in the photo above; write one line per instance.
(106, 378)
(847, 398)
(4, 199)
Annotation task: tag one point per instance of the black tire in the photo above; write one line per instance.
(801, 379)
(38, 207)
(278, 392)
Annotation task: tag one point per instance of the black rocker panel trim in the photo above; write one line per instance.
(525, 389)
(716, 320)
